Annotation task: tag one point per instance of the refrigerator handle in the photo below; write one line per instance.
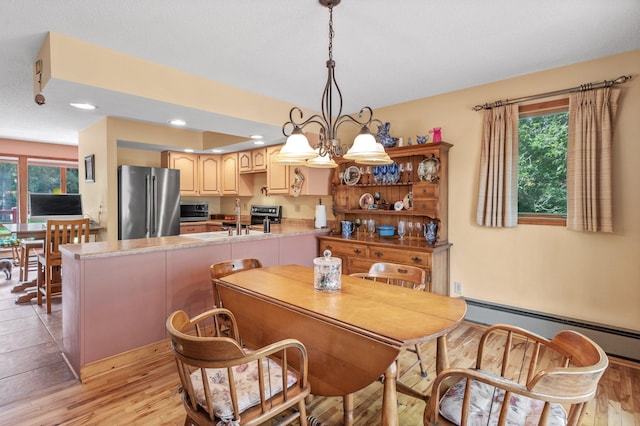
(154, 204)
(147, 203)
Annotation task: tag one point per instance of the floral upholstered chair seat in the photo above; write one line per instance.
(246, 382)
(486, 402)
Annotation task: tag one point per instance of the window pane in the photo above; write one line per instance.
(542, 164)
(72, 181)
(44, 179)
(8, 191)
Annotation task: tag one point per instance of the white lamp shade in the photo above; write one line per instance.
(296, 149)
(363, 145)
(325, 162)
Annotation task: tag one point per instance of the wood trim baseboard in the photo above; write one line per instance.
(124, 359)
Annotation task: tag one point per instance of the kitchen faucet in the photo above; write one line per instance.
(238, 225)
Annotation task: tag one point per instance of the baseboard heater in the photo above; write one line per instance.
(617, 342)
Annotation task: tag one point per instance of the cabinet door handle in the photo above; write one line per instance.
(378, 254)
(416, 259)
(357, 251)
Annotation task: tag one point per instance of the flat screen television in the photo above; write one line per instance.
(54, 206)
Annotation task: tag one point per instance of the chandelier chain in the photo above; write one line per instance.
(331, 33)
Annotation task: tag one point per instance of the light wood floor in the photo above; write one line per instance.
(146, 393)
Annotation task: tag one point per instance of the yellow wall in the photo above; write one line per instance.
(593, 277)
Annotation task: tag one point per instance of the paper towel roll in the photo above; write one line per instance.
(321, 216)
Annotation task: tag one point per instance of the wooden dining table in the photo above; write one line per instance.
(35, 231)
(353, 336)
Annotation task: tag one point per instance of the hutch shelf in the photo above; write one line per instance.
(424, 198)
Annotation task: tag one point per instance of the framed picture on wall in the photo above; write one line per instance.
(89, 168)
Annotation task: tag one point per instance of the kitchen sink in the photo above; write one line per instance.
(218, 235)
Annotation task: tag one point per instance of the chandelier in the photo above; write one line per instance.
(297, 151)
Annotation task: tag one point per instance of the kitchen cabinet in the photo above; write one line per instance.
(192, 228)
(253, 161)
(422, 198)
(278, 175)
(199, 173)
(209, 175)
(233, 183)
(188, 165)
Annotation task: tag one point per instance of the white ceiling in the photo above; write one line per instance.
(386, 52)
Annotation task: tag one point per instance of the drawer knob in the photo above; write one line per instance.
(357, 251)
(378, 254)
(416, 259)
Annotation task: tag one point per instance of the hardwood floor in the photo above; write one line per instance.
(38, 389)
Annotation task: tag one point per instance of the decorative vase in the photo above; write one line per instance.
(437, 134)
(431, 232)
(384, 137)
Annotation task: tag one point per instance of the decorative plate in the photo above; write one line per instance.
(366, 200)
(399, 205)
(352, 175)
(408, 201)
(428, 169)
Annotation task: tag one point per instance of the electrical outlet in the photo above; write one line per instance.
(457, 287)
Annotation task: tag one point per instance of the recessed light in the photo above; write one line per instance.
(188, 150)
(256, 136)
(80, 105)
(177, 122)
(258, 142)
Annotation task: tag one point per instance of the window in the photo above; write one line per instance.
(51, 177)
(542, 163)
(8, 190)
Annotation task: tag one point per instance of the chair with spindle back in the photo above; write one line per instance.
(538, 378)
(404, 276)
(59, 232)
(228, 267)
(223, 383)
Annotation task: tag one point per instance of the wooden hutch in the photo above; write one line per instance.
(422, 201)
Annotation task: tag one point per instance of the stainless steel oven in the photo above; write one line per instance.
(258, 213)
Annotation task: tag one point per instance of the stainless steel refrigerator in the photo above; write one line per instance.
(148, 202)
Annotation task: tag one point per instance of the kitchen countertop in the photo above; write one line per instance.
(149, 245)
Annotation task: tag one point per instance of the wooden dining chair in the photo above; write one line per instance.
(59, 232)
(223, 383)
(228, 267)
(544, 382)
(401, 275)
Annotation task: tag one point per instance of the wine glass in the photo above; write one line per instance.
(409, 170)
(417, 227)
(393, 172)
(357, 222)
(383, 171)
(368, 171)
(409, 228)
(371, 227)
(401, 229)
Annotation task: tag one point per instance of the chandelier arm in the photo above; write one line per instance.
(289, 126)
(351, 119)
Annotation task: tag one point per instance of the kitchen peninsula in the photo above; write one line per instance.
(117, 295)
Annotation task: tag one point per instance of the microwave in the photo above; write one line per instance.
(194, 211)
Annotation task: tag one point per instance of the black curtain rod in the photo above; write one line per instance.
(581, 88)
